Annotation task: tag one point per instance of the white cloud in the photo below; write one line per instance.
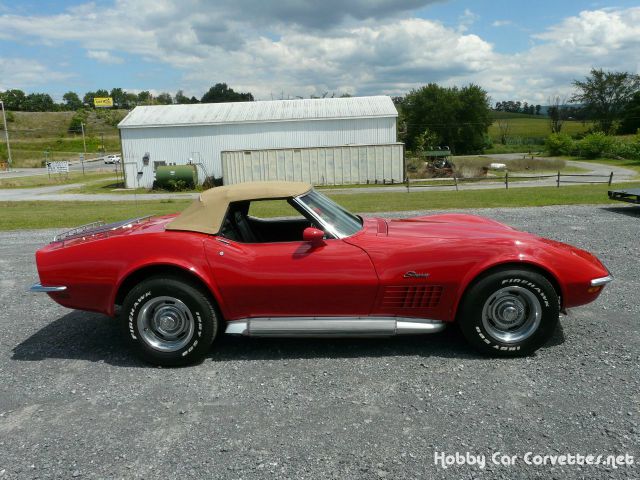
(501, 23)
(305, 48)
(21, 73)
(467, 19)
(103, 56)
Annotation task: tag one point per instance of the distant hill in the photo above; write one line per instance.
(39, 136)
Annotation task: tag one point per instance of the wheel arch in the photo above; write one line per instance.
(190, 275)
(529, 266)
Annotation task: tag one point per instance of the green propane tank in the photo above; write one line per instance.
(167, 176)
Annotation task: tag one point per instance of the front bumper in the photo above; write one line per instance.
(39, 288)
(600, 282)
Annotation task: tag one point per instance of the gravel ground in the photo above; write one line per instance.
(75, 404)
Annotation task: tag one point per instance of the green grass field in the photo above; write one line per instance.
(23, 215)
(532, 127)
(614, 162)
(47, 181)
(33, 133)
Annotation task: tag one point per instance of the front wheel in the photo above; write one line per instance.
(169, 322)
(509, 313)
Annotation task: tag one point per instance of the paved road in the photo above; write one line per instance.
(75, 404)
(91, 165)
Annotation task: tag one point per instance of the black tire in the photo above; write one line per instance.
(169, 322)
(498, 313)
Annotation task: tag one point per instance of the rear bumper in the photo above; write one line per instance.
(39, 288)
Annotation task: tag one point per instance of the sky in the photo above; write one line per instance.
(516, 50)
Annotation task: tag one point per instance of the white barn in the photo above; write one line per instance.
(180, 134)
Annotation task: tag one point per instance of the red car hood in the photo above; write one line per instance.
(451, 226)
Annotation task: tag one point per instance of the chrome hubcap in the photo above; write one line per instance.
(165, 324)
(512, 314)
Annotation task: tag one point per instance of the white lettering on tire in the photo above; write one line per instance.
(132, 311)
(493, 345)
(533, 286)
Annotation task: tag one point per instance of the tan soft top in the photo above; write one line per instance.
(207, 213)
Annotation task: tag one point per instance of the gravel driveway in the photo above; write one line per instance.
(75, 404)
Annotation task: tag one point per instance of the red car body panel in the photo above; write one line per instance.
(418, 267)
(292, 278)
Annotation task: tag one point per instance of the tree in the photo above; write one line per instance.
(557, 112)
(458, 117)
(119, 97)
(631, 116)
(427, 140)
(130, 100)
(605, 94)
(145, 98)
(220, 92)
(505, 128)
(13, 99)
(164, 99)
(39, 102)
(181, 98)
(538, 107)
(72, 101)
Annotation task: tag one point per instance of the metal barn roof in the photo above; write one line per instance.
(262, 111)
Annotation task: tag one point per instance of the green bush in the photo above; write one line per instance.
(595, 145)
(559, 144)
(630, 150)
(78, 118)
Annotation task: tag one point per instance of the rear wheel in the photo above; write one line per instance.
(509, 312)
(169, 322)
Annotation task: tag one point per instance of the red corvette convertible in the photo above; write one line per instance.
(225, 264)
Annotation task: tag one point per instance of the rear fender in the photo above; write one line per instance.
(200, 272)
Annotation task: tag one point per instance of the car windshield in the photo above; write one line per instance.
(336, 219)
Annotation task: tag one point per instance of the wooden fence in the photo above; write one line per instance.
(457, 182)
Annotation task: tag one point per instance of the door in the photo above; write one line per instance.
(292, 278)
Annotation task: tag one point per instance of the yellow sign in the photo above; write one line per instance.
(103, 101)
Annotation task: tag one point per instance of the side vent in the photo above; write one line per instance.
(424, 296)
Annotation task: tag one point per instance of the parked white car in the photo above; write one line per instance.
(112, 159)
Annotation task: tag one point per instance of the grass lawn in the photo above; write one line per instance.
(615, 162)
(527, 132)
(34, 214)
(529, 127)
(19, 215)
(32, 133)
(107, 185)
(55, 179)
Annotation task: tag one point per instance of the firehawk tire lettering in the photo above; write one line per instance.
(137, 302)
(472, 307)
(202, 311)
(532, 285)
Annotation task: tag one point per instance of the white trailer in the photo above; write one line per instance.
(339, 165)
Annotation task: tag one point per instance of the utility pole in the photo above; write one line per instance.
(6, 133)
(84, 146)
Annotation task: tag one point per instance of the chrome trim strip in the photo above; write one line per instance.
(332, 326)
(96, 228)
(412, 326)
(39, 288)
(597, 282)
(237, 328)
